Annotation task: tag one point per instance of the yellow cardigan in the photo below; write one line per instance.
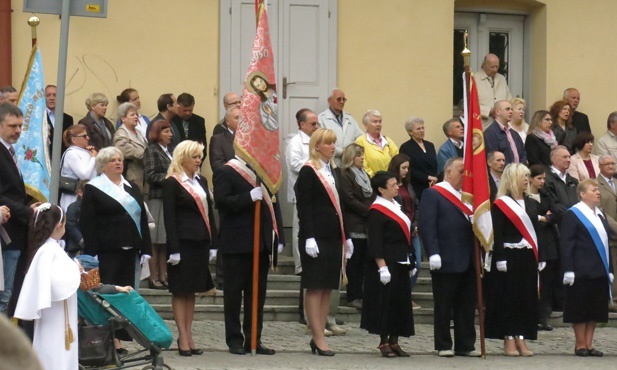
(375, 158)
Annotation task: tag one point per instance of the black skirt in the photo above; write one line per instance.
(586, 300)
(117, 266)
(192, 274)
(324, 271)
(512, 299)
(386, 309)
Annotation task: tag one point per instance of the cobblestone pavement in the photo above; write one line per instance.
(357, 350)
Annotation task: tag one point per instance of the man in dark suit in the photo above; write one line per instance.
(499, 136)
(446, 233)
(222, 144)
(229, 100)
(235, 196)
(579, 119)
(168, 108)
(190, 126)
(13, 195)
(67, 120)
(496, 163)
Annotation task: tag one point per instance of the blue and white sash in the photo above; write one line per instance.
(126, 200)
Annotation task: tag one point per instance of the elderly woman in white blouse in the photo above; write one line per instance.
(78, 160)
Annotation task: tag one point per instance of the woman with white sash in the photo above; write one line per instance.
(586, 262)
(512, 301)
(390, 262)
(321, 235)
(114, 223)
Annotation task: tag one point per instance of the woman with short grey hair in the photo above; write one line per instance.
(422, 156)
(131, 143)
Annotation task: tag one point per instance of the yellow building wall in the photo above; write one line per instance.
(396, 57)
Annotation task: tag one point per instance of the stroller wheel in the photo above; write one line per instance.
(152, 367)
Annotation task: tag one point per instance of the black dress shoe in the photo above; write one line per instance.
(595, 353)
(319, 351)
(237, 350)
(197, 351)
(339, 322)
(260, 350)
(581, 352)
(545, 327)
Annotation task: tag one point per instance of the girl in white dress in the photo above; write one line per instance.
(49, 292)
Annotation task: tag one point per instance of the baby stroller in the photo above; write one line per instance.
(104, 314)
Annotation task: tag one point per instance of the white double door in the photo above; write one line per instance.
(304, 41)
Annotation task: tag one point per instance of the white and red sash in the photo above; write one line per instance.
(394, 212)
(447, 192)
(251, 178)
(517, 215)
(197, 199)
(332, 194)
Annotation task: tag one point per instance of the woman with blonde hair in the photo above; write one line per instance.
(512, 305)
(99, 128)
(517, 122)
(540, 139)
(191, 232)
(322, 235)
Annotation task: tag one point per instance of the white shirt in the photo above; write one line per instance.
(197, 188)
(562, 176)
(296, 155)
(142, 127)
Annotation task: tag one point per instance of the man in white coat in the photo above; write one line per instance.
(342, 123)
(492, 87)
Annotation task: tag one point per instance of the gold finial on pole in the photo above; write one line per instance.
(466, 52)
(33, 22)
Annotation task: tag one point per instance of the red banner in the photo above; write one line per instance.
(257, 137)
(475, 181)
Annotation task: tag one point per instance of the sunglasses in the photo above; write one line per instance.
(341, 100)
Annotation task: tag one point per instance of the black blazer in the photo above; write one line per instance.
(492, 187)
(538, 152)
(580, 121)
(221, 149)
(97, 138)
(156, 164)
(355, 205)
(197, 130)
(548, 233)
(387, 240)
(421, 164)
(445, 230)
(578, 251)
(506, 232)
(13, 195)
(183, 220)
(237, 214)
(67, 122)
(317, 216)
(106, 226)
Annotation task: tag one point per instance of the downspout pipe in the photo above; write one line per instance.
(6, 65)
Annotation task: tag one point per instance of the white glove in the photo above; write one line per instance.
(311, 247)
(568, 278)
(280, 248)
(212, 254)
(257, 194)
(611, 277)
(144, 259)
(413, 272)
(541, 266)
(174, 258)
(348, 248)
(384, 275)
(502, 266)
(434, 262)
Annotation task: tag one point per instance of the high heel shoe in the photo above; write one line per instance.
(386, 351)
(185, 353)
(319, 351)
(398, 351)
(506, 351)
(520, 342)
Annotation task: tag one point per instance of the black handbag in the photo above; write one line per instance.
(95, 346)
(67, 184)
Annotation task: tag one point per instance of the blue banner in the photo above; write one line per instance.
(32, 150)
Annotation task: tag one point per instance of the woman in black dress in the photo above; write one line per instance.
(588, 271)
(422, 156)
(191, 232)
(540, 139)
(321, 236)
(512, 304)
(390, 262)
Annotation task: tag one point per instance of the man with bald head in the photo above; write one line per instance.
(229, 100)
(500, 136)
(492, 87)
(342, 123)
(579, 119)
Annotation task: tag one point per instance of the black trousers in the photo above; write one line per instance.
(454, 297)
(238, 272)
(355, 270)
(547, 281)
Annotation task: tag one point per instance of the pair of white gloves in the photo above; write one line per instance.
(175, 258)
(503, 266)
(568, 278)
(385, 276)
(312, 249)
